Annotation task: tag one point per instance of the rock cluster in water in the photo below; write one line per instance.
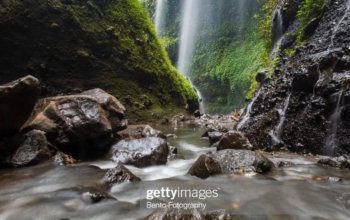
(66, 129)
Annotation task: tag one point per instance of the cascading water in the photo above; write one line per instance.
(277, 132)
(241, 15)
(159, 16)
(337, 26)
(277, 31)
(248, 112)
(189, 27)
(331, 140)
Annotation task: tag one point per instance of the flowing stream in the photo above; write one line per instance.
(300, 191)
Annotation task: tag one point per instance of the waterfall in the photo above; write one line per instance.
(331, 140)
(336, 27)
(189, 27)
(248, 112)
(277, 31)
(190, 16)
(159, 17)
(241, 15)
(277, 132)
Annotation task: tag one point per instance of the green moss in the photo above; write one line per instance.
(308, 10)
(109, 44)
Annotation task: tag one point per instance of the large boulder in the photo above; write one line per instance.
(141, 152)
(17, 100)
(230, 161)
(119, 174)
(33, 149)
(80, 125)
(234, 140)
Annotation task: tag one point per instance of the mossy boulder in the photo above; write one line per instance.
(74, 45)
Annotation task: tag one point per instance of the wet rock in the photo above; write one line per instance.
(17, 100)
(95, 196)
(261, 76)
(230, 161)
(197, 113)
(139, 131)
(341, 162)
(33, 149)
(169, 214)
(234, 140)
(282, 164)
(63, 159)
(214, 136)
(119, 174)
(114, 110)
(79, 125)
(141, 152)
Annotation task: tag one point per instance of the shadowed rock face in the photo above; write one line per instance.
(33, 149)
(141, 152)
(72, 46)
(312, 78)
(17, 100)
(230, 161)
(234, 140)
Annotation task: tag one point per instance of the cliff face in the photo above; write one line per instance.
(71, 45)
(305, 105)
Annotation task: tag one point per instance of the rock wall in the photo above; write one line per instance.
(306, 102)
(74, 45)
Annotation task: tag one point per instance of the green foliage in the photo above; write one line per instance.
(309, 9)
(265, 19)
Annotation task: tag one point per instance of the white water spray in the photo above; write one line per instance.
(159, 20)
(189, 27)
(331, 140)
(248, 112)
(278, 24)
(277, 132)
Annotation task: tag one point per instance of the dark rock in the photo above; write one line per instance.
(115, 111)
(95, 196)
(341, 162)
(33, 149)
(140, 131)
(305, 81)
(79, 125)
(17, 100)
(63, 159)
(214, 136)
(119, 174)
(230, 161)
(234, 140)
(282, 164)
(141, 152)
(261, 76)
(197, 113)
(169, 214)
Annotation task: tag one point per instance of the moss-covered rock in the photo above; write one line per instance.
(71, 45)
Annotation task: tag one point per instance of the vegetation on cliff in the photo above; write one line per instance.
(75, 45)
